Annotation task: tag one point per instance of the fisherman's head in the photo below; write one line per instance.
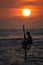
(28, 33)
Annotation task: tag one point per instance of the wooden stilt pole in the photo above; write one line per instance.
(25, 55)
(24, 43)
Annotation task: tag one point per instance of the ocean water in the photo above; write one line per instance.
(11, 51)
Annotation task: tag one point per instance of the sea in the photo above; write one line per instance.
(11, 51)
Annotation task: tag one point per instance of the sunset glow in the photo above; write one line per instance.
(26, 12)
(15, 13)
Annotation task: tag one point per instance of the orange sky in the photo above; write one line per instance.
(11, 10)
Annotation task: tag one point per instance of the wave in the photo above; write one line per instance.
(18, 38)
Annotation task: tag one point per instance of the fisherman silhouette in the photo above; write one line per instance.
(29, 40)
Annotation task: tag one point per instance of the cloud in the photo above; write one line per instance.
(30, 3)
(17, 3)
(9, 3)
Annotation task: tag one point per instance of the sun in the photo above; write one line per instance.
(26, 12)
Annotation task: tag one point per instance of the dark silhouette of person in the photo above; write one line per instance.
(29, 40)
